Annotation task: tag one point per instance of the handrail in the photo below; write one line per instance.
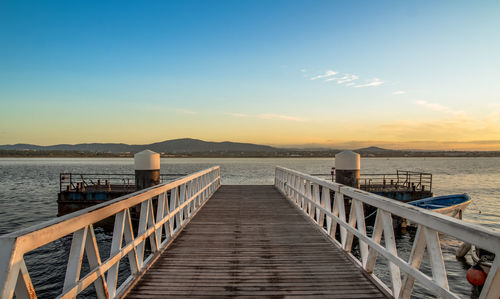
(314, 197)
(164, 211)
(405, 180)
(69, 181)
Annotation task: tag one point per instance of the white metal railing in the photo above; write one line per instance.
(314, 197)
(164, 211)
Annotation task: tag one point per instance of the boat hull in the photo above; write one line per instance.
(449, 205)
(455, 211)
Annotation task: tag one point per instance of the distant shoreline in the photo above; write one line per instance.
(196, 148)
(284, 154)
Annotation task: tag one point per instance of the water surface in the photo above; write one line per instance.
(29, 186)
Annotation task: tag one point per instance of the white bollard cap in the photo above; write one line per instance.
(147, 160)
(347, 160)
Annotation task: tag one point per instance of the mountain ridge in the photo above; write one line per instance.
(182, 145)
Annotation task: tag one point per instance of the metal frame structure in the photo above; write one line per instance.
(314, 197)
(77, 181)
(401, 180)
(164, 211)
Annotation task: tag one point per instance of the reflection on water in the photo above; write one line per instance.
(28, 193)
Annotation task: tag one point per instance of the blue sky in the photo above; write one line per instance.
(395, 73)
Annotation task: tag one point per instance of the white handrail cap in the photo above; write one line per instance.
(347, 160)
(147, 160)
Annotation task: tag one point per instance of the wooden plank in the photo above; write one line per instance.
(251, 241)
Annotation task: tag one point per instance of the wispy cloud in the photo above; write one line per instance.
(344, 79)
(186, 111)
(280, 116)
(327, 74)
(398, 92)
(373, 82)
(438, 107)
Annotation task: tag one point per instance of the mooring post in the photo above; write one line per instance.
(347, 168)
(147, 169)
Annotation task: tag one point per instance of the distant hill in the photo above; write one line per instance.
(188, 147)
(85, 147)
(175, 146)
(373, 149)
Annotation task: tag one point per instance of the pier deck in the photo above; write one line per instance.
(251, 241)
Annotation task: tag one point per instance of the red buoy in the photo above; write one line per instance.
(476, 276)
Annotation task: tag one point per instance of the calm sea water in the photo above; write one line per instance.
(28, 193)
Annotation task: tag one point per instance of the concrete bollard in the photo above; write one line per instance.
(347, 168)
(147, 169)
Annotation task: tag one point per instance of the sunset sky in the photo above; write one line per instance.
(345, 74)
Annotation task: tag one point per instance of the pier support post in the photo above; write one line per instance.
(147, 169)
(347, 168)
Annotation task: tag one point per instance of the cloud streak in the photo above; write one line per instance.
(349, 80)
(398, 92)
(280, 116)
(327, 74)
(344, 79)
(374, 82)
(439, 108)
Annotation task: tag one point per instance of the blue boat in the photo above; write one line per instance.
(450, 205)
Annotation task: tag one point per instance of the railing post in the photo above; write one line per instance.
(116, 245)
(390, 245)
(276, 173)
(360, 220)
(327, 204)
(182, 197)
(492, 283)
(160, 214)
(436, 257)
(219, 180)
(416, 256)
(339, 202)
(10, 271)
(174, 203)
(143, 225)
(295, 184)
(317, 200)
(94, 260)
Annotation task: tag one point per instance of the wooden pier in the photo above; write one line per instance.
(195, 237)
(251, 241)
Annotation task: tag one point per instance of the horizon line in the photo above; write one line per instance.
(346, 145)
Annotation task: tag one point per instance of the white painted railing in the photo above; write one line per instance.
(313, 196)
(164, 211)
